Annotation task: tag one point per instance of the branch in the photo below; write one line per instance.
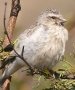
(15, 8)
(9, 31)
(22, 58)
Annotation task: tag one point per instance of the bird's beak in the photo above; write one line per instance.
(63, 19)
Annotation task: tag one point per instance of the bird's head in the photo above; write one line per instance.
(51, 17)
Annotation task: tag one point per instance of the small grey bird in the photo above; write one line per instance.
(44, 44)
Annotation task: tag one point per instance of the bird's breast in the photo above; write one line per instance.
(43, 47)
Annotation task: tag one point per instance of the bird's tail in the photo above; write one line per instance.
(4, 75)
(2, 81)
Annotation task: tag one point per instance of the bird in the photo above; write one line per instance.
(44, 44)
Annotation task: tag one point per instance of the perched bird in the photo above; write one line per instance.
(44, 44)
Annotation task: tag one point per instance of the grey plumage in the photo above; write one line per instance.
(44, 44)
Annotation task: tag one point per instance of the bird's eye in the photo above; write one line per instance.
(62, 23)
(53, 17)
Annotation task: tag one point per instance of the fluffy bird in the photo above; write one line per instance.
(44, 44)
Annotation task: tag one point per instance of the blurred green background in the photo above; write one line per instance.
(30, 10)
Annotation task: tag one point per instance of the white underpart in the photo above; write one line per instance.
(44, 47)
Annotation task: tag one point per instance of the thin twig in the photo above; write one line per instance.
(22, 51)
(5, 29)
(20, 56)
